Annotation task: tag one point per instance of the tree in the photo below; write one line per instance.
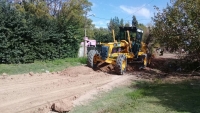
(145, 31)
(122, 23)
(114, 24)
(102, 35)
(134, 21)
(127, 24)
(177, 26)
(41, 29)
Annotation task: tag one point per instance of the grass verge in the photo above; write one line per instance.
(41, 66)
(147, 97)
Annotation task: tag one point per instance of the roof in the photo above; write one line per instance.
(134, 29)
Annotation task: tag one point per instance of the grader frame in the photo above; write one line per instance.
(123, 50)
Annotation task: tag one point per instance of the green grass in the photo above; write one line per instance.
(41, 66)
(147, 97)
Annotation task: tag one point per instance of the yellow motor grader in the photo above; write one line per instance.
(127, 48)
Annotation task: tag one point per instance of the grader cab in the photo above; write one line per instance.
(126, 48)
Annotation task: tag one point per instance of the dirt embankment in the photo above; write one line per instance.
(40, 93)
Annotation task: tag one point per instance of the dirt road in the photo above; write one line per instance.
(36, 93)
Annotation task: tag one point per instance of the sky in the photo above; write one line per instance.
(104, 10)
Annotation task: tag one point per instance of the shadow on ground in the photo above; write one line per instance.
(174, 88)
(163, 67)
(181, 96)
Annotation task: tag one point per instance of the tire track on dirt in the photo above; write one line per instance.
(27, 95)
(97, 85)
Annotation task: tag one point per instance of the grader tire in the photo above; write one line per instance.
(121, 64)
(90, 61)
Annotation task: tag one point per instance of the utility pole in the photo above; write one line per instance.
(84, 49)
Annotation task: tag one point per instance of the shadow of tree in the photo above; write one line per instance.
(161, 68)
(165, 65)
(180, 96)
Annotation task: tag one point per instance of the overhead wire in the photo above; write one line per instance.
(127, 16)
(141, 7)
(124, 20)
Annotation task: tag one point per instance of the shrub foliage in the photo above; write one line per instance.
(40, 29)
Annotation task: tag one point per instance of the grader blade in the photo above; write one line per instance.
(105, 67)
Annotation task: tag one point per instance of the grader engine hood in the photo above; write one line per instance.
(113, 49)
(104, 52)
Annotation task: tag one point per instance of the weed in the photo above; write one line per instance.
(41, 66)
